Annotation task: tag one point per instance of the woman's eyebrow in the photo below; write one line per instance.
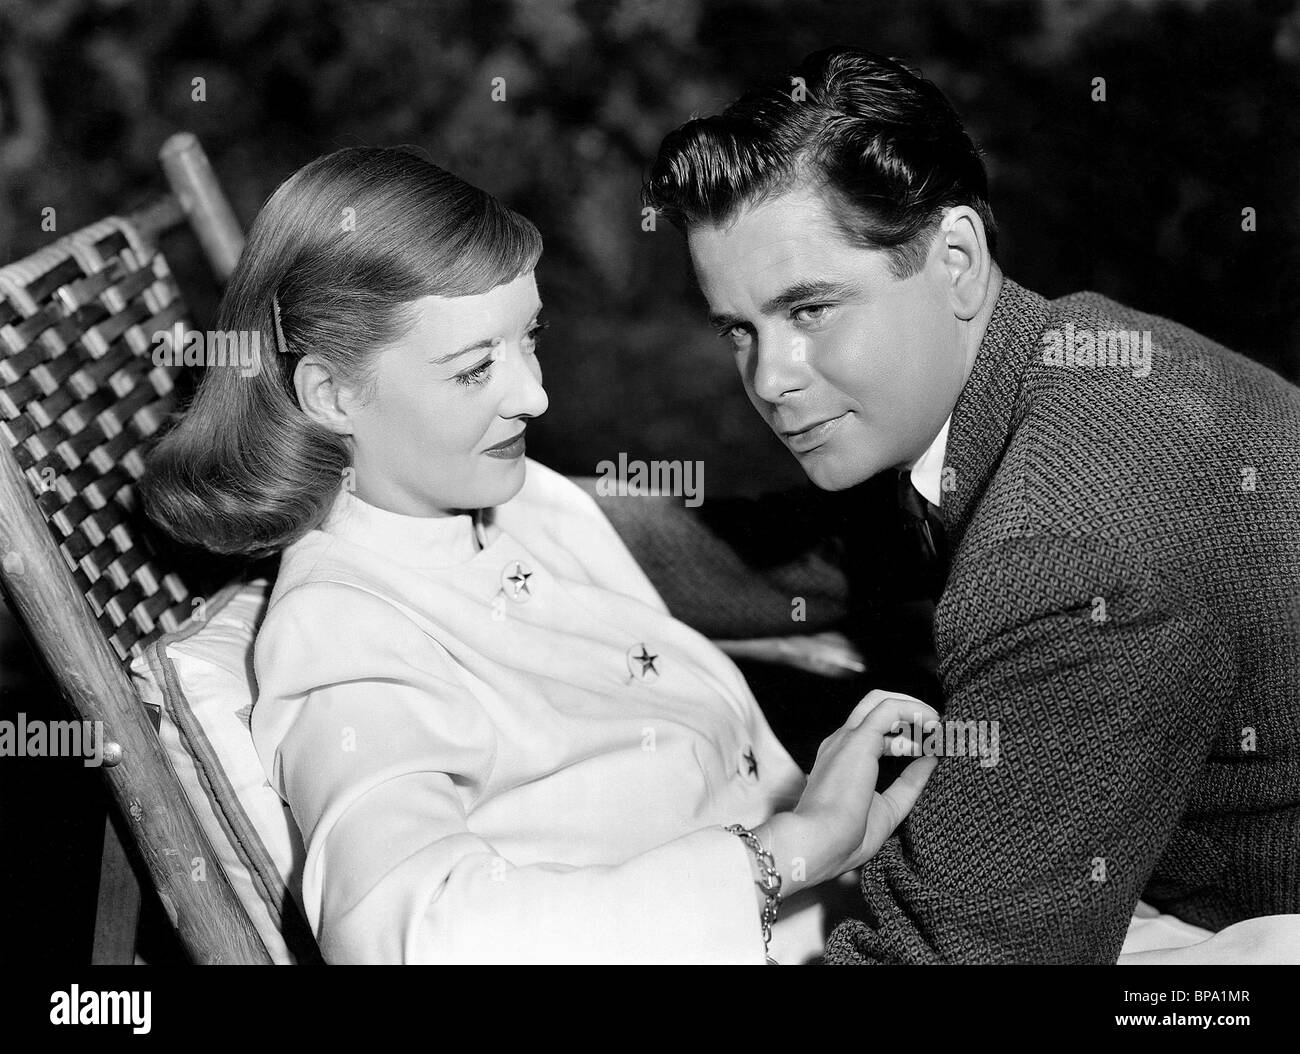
(478, 345)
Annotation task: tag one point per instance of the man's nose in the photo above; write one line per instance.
(780, 365)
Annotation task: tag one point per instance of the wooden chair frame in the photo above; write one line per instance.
(88, 666)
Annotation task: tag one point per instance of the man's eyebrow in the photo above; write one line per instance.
(814, 289)
(478, 345)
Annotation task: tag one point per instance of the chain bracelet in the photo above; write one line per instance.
(769, 883)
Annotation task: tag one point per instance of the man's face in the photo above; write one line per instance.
(855, 370)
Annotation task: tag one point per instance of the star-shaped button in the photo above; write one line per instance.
(514, 580)
(641, 661)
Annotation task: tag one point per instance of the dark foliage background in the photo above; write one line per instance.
(1139, 196)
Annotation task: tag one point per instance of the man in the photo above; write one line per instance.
(1108, 505)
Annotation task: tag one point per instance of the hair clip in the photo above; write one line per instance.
(281, 343)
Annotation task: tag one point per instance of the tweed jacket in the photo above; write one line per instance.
(1122, 609)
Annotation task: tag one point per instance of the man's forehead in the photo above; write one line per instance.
(772, 245)
(768, 260)
(796, 215)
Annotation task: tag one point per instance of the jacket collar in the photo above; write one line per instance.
(981, 422)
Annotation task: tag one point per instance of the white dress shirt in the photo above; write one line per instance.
(927, 470)
(512, 754)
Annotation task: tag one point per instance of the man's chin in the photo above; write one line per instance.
(828, 473)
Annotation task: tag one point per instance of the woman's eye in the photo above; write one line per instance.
(478, 375)
(534, 336)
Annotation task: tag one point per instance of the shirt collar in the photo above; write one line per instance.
(927, 470)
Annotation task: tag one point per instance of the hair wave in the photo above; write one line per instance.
(344, 246)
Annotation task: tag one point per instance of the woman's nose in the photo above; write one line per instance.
(526, 396)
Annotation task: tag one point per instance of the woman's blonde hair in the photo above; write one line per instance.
(341, 249)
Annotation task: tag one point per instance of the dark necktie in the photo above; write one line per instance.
(922, 519)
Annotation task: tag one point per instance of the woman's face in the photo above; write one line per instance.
(442, 427)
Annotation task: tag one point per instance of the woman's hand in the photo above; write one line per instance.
(841, 820)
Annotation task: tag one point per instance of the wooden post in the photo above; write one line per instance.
(193, 182)
(117, 904)
(209, 919)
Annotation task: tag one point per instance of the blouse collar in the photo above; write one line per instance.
(417, 541)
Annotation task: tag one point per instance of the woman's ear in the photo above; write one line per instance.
(967, 260)
(321, 398)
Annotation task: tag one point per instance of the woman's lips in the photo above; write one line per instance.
(811, 438)
(508, 448)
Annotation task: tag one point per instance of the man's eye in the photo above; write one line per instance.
(812, 313)
(737, 334)
(478, 375)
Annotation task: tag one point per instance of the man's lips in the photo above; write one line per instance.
(508, 448)
(809, 437)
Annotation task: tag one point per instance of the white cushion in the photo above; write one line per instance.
(201, 679)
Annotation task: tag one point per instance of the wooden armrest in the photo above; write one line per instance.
(828, 654)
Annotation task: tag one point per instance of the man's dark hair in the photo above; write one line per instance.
(882, 142)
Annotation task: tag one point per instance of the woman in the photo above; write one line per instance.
(496, 742)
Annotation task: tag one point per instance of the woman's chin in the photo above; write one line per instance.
(509, 481)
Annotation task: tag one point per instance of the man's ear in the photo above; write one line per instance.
(967, 260)
(321, 398)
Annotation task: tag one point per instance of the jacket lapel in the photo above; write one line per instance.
(982, 419)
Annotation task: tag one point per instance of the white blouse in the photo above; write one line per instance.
(512, 754)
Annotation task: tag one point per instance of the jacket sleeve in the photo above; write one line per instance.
(382, 754)
(1102, 690)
